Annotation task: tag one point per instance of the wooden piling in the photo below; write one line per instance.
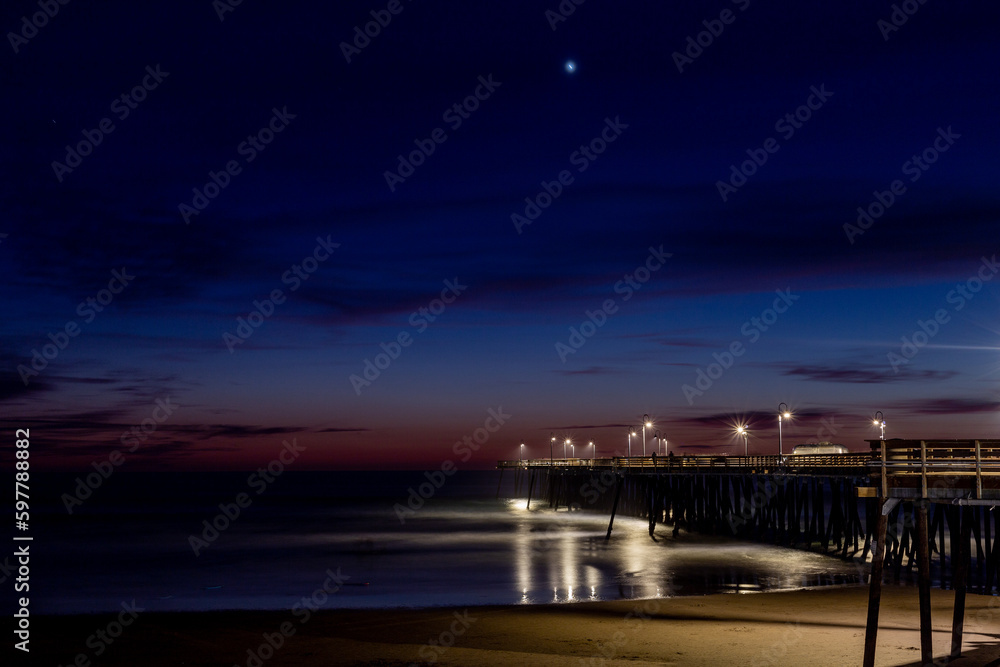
(993, 561)
(924, 582)
(531, 484)
(875, 586)
(961, 568)
(614, 507)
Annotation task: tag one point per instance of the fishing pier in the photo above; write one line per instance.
(903, 504)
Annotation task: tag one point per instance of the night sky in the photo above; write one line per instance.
(566, 220)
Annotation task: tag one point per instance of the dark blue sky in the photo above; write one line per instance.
(851, 295)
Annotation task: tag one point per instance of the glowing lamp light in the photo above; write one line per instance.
(741, 430)
(880, 422)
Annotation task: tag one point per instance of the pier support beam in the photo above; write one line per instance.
(614, 507)
(961, 581)
(875, 583)
(652, 505)
(531, 485)
(924, 582)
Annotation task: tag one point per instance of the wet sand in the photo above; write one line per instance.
(815, 627)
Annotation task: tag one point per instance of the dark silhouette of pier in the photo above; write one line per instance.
(902, 504)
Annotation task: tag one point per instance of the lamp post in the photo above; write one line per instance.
(522, 451)
(741, 430)
(594, 451)
(552, 441)
(782, 414)
(564, 447)
(645, 423)
(631, 432)
(880, 422)
(656, 439)
(572, 451)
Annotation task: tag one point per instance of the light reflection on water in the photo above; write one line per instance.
(563, 557)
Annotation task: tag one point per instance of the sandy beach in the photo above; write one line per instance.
(814, 627)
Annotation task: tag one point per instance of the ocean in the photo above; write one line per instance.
(336, 540)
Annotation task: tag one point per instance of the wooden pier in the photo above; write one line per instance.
(900, 504)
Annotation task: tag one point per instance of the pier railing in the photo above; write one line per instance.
(960, 470)
(857, 463)
(933, 469)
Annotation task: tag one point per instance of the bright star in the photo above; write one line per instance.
(570, 66)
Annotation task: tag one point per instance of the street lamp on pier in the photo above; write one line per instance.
(782, 413)
(742, 430)
(645, 423)
(593, 452)
(564, 447)
(880, 422)
(552, 441)
(521, 453)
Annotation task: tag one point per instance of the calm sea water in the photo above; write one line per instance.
(131, 540)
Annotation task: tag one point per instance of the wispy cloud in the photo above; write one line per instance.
(575, 427)
(863, 374)
(591, 370)
(947, 406)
